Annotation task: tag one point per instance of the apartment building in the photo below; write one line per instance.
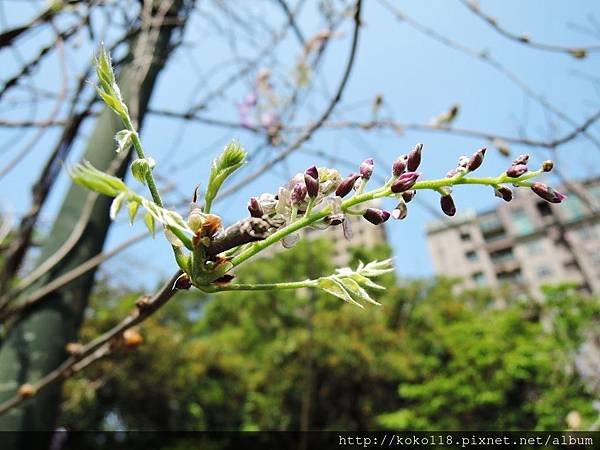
(525, 243)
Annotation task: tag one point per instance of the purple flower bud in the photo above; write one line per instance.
(521, 159)
(503, 192)
(547, 193)
(516, 171)
(346, 185)
(399, 165)
(414, 158)
(447, 204)
(452, 173)
(404, 182)
(311, 179)
(476, 159)
(407, 196)
(547, 166)
(298, 194)
(366, 169)
(463, 161)
(400, 211)
(254, 207)
(376, 216)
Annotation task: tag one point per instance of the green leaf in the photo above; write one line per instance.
(123, 139)
(88, 176)
(150, 224)
(232, 158)
(141, 167)
(336, 288)
(356, 291)
(116, 204)
(132, 210)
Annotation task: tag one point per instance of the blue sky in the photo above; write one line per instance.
(418, 77)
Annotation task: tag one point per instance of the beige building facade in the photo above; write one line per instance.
(525, 243)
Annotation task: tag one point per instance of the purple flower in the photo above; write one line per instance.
(447, 204)
(254, 207)
(366, 169)
(400, 211)
(346, 185)
(503, 192)
(399, 165)
(311, 179)
(298, 194)
(407, 196)
(516, 171)
(414, 158)
(476, 159)
(547, 193)
(404, 182)
(521, 159)
(376, 216)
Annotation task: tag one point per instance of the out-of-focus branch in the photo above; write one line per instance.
(39, 294)
(308, 132)
(97, 348)
(487, 59)
(576, 52)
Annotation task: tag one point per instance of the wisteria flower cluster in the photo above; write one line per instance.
(207, 252)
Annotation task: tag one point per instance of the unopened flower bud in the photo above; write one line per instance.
(476, 159)
(311, 179)
(400, 211)
(376, 216)
(452, 173)
(404, 182)
(516, 171)
(414, 158)
(463, 161)
(366, 169)
(254, 207)
(346, 185)
(195, 218)
(447, 204)
(547, 193)
(298, 194)
(407, 196)
(399, 166)
(547, 166)
(521, 159)
(503, 192)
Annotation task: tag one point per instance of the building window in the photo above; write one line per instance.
(503, 255)
(472, 255)
(465, 236)
(514, 276)
(534, 247)
(544, 209)
(521, 222)
(544, 271)
(478, 278)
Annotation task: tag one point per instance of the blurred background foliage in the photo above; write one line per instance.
(430, 358)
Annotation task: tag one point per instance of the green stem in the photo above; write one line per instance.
(384, 191)
(139, 150)
(261, 287)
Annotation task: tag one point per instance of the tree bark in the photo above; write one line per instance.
(36, 344)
